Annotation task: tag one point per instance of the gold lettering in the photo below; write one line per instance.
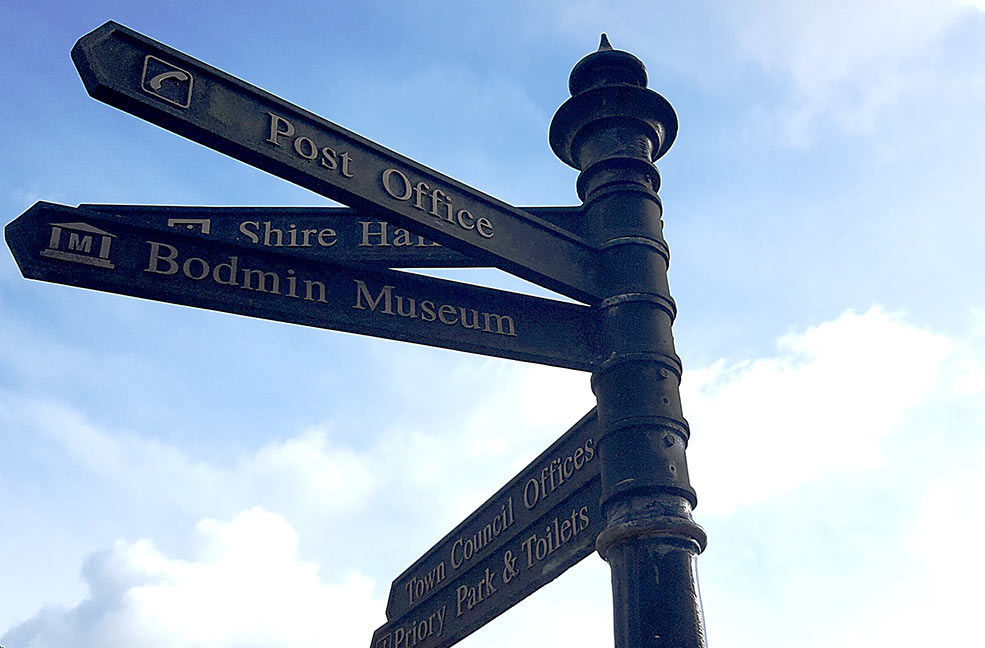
(328, 158)
(445, 311)
(305, 147)
(402, 238)
(268, 231)
(433, 201)
(427, 311)
(253, 236)
(153, 264)
(484, 227)
(231, 280)
(472, 595)
(382, 234)
(83, 244)
(292, 284)
(462, 215)
(276, 121)
(405, 194)
(499, 319)
(411, 311)
(327, 237)
(186, 268)
(308, 285)
(346, 159)
(262, 276)
(385, 294)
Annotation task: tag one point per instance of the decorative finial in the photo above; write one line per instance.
(605, 67)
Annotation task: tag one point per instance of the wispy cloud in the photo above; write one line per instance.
(848, 63)
(826, 402)
(245, 586)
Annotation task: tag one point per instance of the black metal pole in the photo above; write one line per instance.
(612, 129)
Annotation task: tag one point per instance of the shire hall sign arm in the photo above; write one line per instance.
(616, 482)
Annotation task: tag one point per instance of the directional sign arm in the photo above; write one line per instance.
(159, 84)
(538, 525)
(360, 237)
(95, 250)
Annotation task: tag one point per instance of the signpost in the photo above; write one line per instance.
(335, 234)
(155, 82)
(538, 525)
(616, 482)
(95, 250)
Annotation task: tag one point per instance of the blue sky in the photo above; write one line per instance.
(180, 477)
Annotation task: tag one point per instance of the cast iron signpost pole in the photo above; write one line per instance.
(612, 129)
(622, 481)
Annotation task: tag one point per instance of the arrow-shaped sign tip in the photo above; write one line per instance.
(83, 55)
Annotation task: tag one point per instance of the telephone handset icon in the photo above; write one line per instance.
(156, 82)
(167, 82)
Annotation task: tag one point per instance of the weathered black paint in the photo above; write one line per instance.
(612, 129)
(547, 332)
(234, 117)
(582, 435)
(636, 503)
(346, 224)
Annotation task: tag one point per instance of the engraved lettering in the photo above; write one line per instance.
(428, 311)
(254, 236)
(327, 237)
(329, 158)
(499, 319)
(558, 532)
(279, 127)
(293, 237)
(484, 227)
(417, 630)
(403, 238)
(309, 284)
(153, 264)
(292, 284)
(447, 314)
(465, 219)
(82, 244)
(364, 241)
(418, 587)
(261, 277)
(419, 190)
(163, 259)
(230, 280)
(203, 268)
(363, 291)
(473, 595)
(556, 472)
(268, 235)
(466, 548)
(306, 148)
(475, 318)
(405, 193)
(433, 201)
(410, 311)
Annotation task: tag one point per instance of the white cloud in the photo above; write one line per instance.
(849, 62)
(245, 587)
(824, 403)
(824, 406)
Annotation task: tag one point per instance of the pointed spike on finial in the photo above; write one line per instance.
(604, 44)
